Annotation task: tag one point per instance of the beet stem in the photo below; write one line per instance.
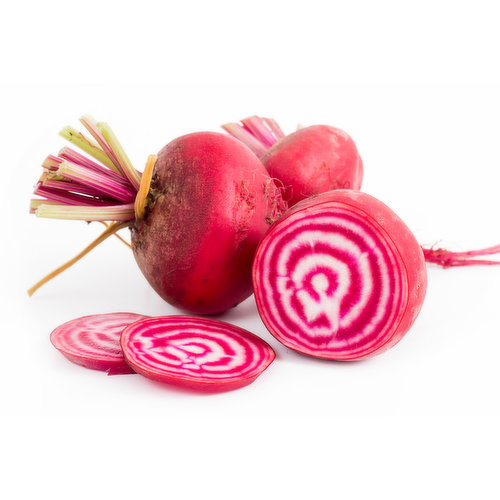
(140, 199)
(75, 157)
(102, 184)
(35, 204)
(128, 169)
(91, 125)
(123, 213)
(244, 136)
(88, 145)
(69, 198)
(260, 130)
(259, 134)
(276, 129)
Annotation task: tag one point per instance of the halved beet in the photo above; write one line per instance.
(340, 276)
(94, 341)
(195, 353)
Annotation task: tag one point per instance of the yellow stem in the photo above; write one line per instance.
(140, 199)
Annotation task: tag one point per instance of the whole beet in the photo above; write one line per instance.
(314, 160)
(209, 205)
(309, 161)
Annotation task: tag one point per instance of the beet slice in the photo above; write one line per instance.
(94, 341)
(195, 353)
(340, 276)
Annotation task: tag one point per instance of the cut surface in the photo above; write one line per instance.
(196, 353)
(94, 341)
(330, 282)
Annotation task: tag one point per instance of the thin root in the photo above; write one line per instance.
(112, 229)
(118, 236)
(446, 258)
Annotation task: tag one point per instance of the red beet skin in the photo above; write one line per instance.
(211, 201)
(313, 160)
(339, 276)
(195, 353)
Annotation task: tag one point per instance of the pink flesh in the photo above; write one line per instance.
(94, 341)
(196, 353)
(339, 277)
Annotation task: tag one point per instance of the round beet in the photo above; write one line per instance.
(195, 353)
(340, 276)
(209, 205)
(307, 162)
(94, 341)
(196, 213)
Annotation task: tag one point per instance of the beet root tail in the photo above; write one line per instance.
(446, 258)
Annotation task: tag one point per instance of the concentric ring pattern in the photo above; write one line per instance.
(193, 350)
(328, 283)
(90, 340)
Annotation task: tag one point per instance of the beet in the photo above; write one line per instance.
(196, 214)
(195, 353)
(339, 276)
(94, 341)
(210, 203)
(307, 162)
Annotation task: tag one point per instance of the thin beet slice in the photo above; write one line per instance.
(94, 341)
(196, 353)
(340, 276)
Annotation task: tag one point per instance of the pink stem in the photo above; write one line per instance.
(79, 159)
(102, 184)
(69, 186)
(51, 163)
(257, 126)
(259, 134)
(91, 126)
(243, 135)
(69, 198)
(276, 129)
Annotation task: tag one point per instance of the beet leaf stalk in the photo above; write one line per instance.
(106, 188)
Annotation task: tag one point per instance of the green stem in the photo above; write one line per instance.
(77, 212)
(126, 165)
(88, 145)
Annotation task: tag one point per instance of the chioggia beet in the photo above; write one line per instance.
(94, 341)
(339, 276)
(195, 353)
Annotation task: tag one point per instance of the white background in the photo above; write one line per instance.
(416, 84)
